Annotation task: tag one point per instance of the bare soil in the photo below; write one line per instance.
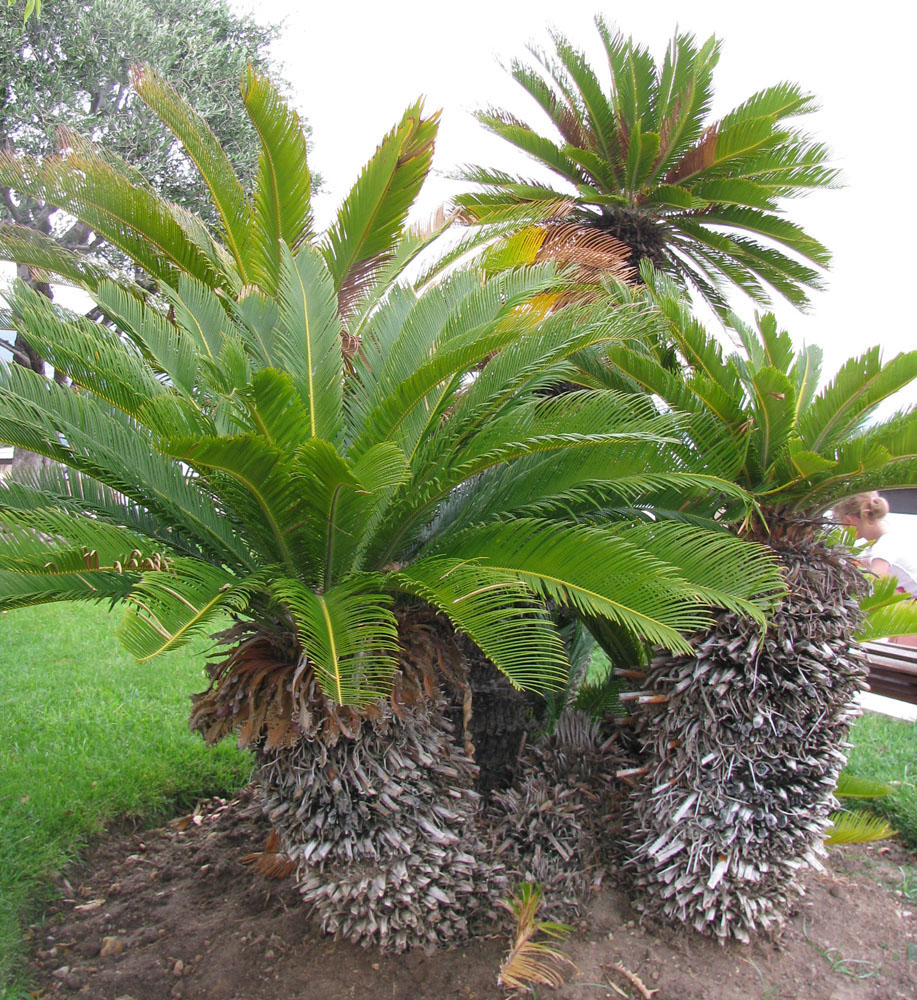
(172, 914)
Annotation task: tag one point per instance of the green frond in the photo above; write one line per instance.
(731, 191)
(130, 217)
(805, 373)
(253, 478)
(521, 136)
(348, 633)
(893, 618)
(498, 612)
(849, 786)
(276, 409)
(857, 827)
(411, 248)
(855, 391)
(774, 409)
(373, 214)
(67, 490)
(774, 227)
(359, 512)
(642, 151)
(204, 149)
(42, 253)
(307, 343)
(600, 425)
(168, 347)
(632, 79)
(780, 101)
(600, 114)
(49, 555)
(403, 407)
(256, 316)
(283, 187)
(93, 356)
(200, 315)
(595, 571)
(102, 443)
(49, 542)
(726, 571)
(168, 608)
(18, 590)
(683, 97)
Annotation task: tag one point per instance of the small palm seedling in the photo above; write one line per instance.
(858, 826)
(532, 961)
(270, 434)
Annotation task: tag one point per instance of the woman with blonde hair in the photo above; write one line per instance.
(866, 513)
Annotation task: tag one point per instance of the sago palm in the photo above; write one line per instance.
(744, 737)
(646, 174)
(352, 519)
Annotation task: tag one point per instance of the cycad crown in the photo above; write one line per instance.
(647, 176)
(763, 414)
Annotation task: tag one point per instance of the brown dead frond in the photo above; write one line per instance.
(698, 158)
(531, 961)
(271, 862)
(594, 251)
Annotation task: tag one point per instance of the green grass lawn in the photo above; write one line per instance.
(886, 749)
(88, 736)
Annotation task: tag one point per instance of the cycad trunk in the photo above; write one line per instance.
(377, 808)
(383, 829)
(560, 820)
(744, 754)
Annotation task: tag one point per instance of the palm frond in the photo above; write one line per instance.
(87, 435)
(130, 217)
(204, 149)
(67, 490)
(849, 786)
(307, 343)
(276, 409)
(595, 571)
(530, 961)
(283, 188)
(498, 612)
(348, 633)
(44, 254)
(18, 590)
(90, 354)
(857, 826)
(165, 609)
(854, 392)
(167, 346)
(373, 214)
(253, 480)
(49, 542)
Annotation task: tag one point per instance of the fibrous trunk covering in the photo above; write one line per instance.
(383, 831)
(376, 807)
(559, 822)
(744, 755)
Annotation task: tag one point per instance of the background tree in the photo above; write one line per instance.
(69, 72)
(648, 175)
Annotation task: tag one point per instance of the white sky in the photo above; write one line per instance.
(355, 66)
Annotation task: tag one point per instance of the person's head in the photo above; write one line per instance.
(863, 512)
